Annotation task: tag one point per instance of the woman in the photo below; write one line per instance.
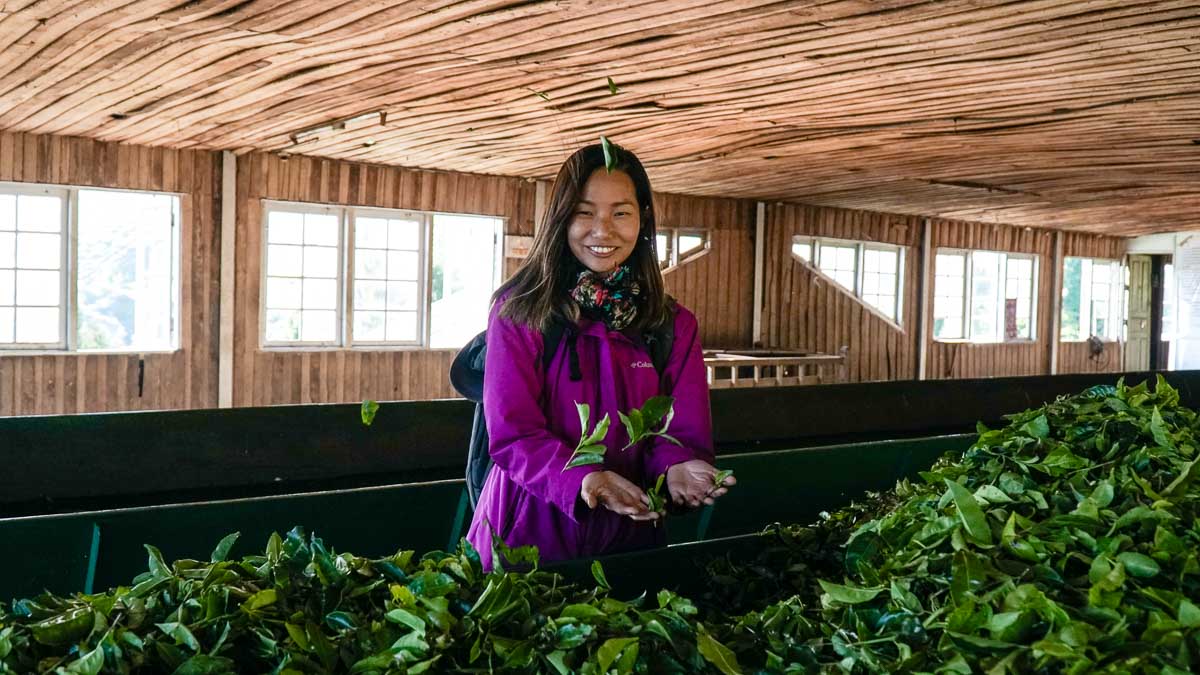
(592, 267)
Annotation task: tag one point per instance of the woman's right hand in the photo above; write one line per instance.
(617, 494)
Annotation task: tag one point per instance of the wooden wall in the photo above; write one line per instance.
(331, 375)
(70, 383)
(803, 310)
(718, 284)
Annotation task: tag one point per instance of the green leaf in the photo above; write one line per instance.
(1139, 565)
(612, 87)
(1183, 480)
(585, 415)
(406, 618)
(66, 628)
(340, 621)
(202, 664)
(598, 575)
(972, 517)
(158, 567)
(716, 653)
(583, 612)
(1038, 427)
(263, 598)
(1189, 614)
(993, 495)
(611, 649)
(585, 459)
(848, 595)
(368, 410)
(221, 552)
(88, 664)
(598, 434)
(181, 634)
(1158, 429)
(720, 476)
(610, 158)
(298, 636)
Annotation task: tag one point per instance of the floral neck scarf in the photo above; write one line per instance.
(608, 296)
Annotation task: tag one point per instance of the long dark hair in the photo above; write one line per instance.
(539, 292)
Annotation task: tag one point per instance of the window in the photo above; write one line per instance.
(1091, 299)
(675, 246)
(337, 276)
(1168, 304)
(88, 270)
(984, 296)
(868, 270)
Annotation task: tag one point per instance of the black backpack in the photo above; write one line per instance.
(466, 375)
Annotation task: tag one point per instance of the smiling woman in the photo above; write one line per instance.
(592, 273)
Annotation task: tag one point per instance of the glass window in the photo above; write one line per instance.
(466, 271)
(388, 266)
(839, 262)
(127, 270)
(984, 296)
(303, 269)
(674, 246)
(1168, 305)
(870, 271)
(881, 278)
(1091, 299)
(950, 270)
(32, 279)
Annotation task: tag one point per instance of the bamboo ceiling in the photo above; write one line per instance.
(1062, 113)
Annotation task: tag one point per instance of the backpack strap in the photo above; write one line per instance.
(551, 338)
(660, 342)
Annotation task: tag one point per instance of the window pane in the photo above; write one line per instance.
(370, 264)
(39, 213)
(404, 234)
(661, 246)
(689, 242)
(8, 216)
(370, 232)
(1072, 321)
(8, 287)
(985, 295)
(284, 293)
(402, 295)
(465, 273)
(283, 325)
(318, 325)
(402, 326)
(128, 280)
(285, 261)
(368, 326)
(7, 334)
(370, 295)
(320, 294)
(285, 227)
(8, 249)
(804, 251)
(320, 261)
(38, 251)
(38, 288)
(321, 229)
(38, 325)
(404, 265)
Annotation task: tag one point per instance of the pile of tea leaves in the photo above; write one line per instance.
(1065, 542)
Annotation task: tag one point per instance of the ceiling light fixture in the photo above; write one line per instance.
(357, 121)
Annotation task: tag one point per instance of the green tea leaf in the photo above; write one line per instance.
(716, 653)
(610, 157)
(181, 634)
(1139, 565)
(263, 598)
(598, 575)
(406, 618)
(611, 649)
(972, 517)
(367, 412)
(848, 595)
(1038, 427)
(222, 550)
(612, 87)
(66, 628)
(88, 664)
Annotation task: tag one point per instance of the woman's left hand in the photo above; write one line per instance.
(691, 483)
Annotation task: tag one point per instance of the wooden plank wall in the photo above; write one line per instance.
(718, 284)
(803, 310)
(71, 383)
(1075, 357)
(331, 375)
(959, 359)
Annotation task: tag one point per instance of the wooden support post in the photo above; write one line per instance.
(760, 226)
(1056, 276)
(925, 260)
(228, 262)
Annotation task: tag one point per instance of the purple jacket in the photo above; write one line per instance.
(533, 428)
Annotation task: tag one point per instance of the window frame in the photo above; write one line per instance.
(1001, 290)
(816, 243)
(673, 234)
(346, 273)
(1117, 297)
(69, 273)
